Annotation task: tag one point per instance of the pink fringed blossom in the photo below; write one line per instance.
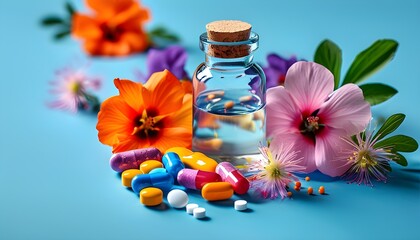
(307, 114)
(270, 175)
(71, 90)
(364, 160)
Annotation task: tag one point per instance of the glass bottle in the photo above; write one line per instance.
(229, 100)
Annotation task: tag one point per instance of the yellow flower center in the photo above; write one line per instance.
(274, 171)
(147, 126)
(75, 87)
(363, 159)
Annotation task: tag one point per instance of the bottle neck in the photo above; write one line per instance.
(229, 63)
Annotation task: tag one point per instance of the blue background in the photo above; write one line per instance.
(55, 179)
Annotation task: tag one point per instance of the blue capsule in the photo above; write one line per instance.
(158, 170)
(163, 181)
(172, 163)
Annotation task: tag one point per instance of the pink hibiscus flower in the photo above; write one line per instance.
(309, 115)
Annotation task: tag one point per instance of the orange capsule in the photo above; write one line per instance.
(151, 196)
(289, 194)
(297, 188)
(310, 190)
(229, 104)
(216, 191)
(321, 190)
(307, 179)
(298, 184)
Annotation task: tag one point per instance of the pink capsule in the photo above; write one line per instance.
(196, 179)
(132, 159)
(232, 175)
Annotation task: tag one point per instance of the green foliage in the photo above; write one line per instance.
(161, 34)
(328, 54)
(399, 143)
(370, 60)
(62, 24)
(390, 125)
(396, 143)
(400, 159)
(366, 63)
(376, 93)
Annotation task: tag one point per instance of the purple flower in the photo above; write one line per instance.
(277, 69)
(172, 58)
(71, 90)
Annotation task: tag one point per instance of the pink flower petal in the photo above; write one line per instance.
(283, 115)
(346, 109)
(309, 84)
(304, 148)
(329, 155)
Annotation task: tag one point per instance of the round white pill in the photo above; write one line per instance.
(177, 198)
(199, 212)
(241, 205)
(190, 207)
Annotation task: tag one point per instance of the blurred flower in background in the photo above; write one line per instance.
(172, 58)
(277, 69)
(114, 29)
(157, 114)
(71, 88)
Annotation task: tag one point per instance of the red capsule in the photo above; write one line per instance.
(232, 175)
(196, 179)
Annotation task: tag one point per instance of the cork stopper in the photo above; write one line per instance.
(228, 31)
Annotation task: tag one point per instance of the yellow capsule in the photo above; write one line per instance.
(151, 196)
(199, 161)
(149, 165)
(128, 175)
(216, 191)
(181, 151)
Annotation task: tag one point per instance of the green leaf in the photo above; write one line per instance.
(163, 34)
(371, 60)
(400, 143)
(390, 125)
(400, 159)
(52, 20)
(70, 9)
(328, 54)
(60, 35)
(376, 93)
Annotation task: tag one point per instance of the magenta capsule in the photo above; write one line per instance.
(230, 174)
(132, 159)
(196, 179)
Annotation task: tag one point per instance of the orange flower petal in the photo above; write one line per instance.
(173, 137)
(187, 86)
(108, 8)
(114, 118)
(167, 93)
(131, 92)
(137, 41)
(127, 143)
(182, 117)
(130, 18)
(85, 27)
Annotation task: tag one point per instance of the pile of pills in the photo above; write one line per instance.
(151, 175)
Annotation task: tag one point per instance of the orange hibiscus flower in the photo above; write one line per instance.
(114, 30)
(158, 113)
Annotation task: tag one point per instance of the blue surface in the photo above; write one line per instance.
(55, 180)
